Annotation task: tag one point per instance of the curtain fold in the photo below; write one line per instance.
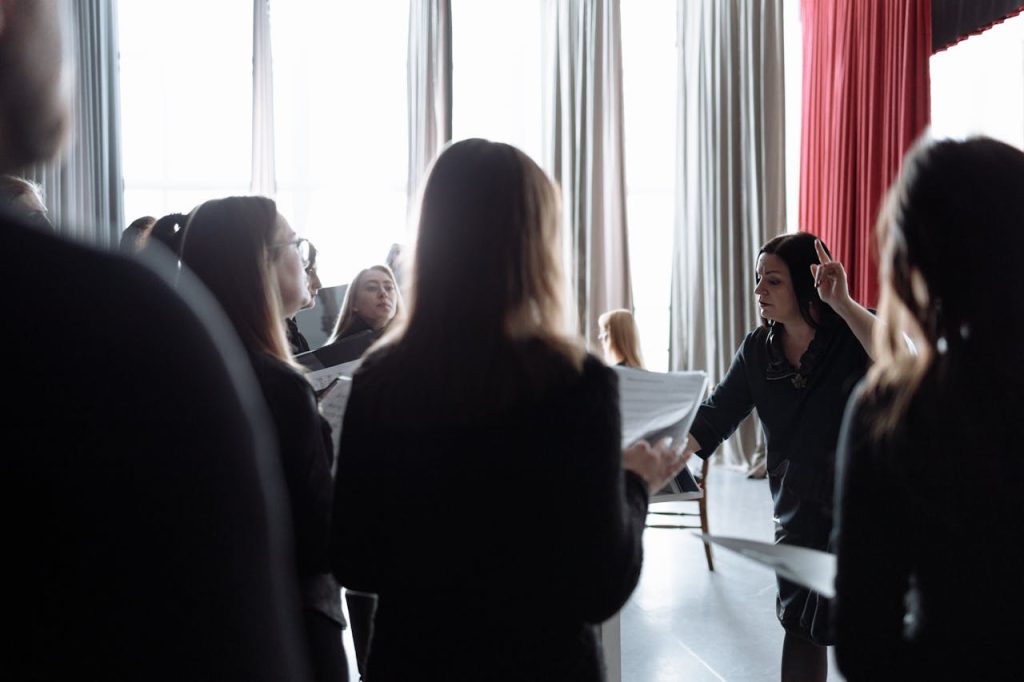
(585, 154)
(956, 20)
(731, 183)
(429, 86)
(865, 100)
(84, 186)
(262, 178)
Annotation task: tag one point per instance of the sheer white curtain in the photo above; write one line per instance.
(585, 152)
(263, 180)
(429, 85)
(340, 128)
(83, 187)
(731, 181)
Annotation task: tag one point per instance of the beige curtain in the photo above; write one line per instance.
(430, 86)
(262, 179)
(83, 187)
(583, 105)
(731, 182)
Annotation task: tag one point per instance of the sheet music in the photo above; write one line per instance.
(332, 405)
(321, 378)
(657, 404)
(808, 567)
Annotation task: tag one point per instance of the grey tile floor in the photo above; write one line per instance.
(686, 623)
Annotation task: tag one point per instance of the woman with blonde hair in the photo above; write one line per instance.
(620, 339)
(372, 302)
(492, 431)
(250, 259)
(930, 469)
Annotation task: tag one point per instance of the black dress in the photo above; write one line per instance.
(496, 530)
(800, 411)
(929, 544)
(139, 495)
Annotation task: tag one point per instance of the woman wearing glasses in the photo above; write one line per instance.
(250, 259)
(296, 341)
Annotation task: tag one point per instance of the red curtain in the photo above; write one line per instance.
(865, 100)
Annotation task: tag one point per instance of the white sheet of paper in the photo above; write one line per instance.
(658, 404)
(808, 567)
(332, 407)
(322, 377)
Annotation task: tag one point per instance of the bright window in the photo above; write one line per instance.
(649, 65)
(340, 128)
(186, 101)
(497, 79)
(978, 85)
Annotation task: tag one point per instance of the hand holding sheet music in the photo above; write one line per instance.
(655, 404)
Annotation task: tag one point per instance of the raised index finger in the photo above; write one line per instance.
(822, 255)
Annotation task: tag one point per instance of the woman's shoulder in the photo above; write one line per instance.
(280, 381)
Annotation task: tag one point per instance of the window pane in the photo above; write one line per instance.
(978, 85)
(340, 128)
(649, 93)
(497, 74)
(185, 102)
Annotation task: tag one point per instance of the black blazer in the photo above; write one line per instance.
(494, 533)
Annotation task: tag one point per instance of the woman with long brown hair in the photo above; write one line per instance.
(248, 256)
(481, 488)
(931, 475)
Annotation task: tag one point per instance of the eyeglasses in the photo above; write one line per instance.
(307, 252)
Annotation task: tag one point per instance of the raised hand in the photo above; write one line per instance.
(829, 278)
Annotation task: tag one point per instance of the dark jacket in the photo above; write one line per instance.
(495, 533)
(928, 534)
(139, 495)
(304, 444)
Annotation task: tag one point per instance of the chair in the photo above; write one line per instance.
(672, 493)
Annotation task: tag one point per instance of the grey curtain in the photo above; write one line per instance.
(585, 152)
(83, 187)
(262, 178)
(430, 86)
(731, 182)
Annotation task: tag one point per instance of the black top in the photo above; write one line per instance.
(346, 348)
(800, 410)
(296, 340)
(928, 537)
(493, 533)
(304, 444)
(139, 497)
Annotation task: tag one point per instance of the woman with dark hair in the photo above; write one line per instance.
(482, 492)
(797, 369)
(249, 258)
(168, 231)
(930, 472)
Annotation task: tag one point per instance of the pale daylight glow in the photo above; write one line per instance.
(978, 85)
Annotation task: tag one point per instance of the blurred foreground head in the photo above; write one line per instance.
(33, 91)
